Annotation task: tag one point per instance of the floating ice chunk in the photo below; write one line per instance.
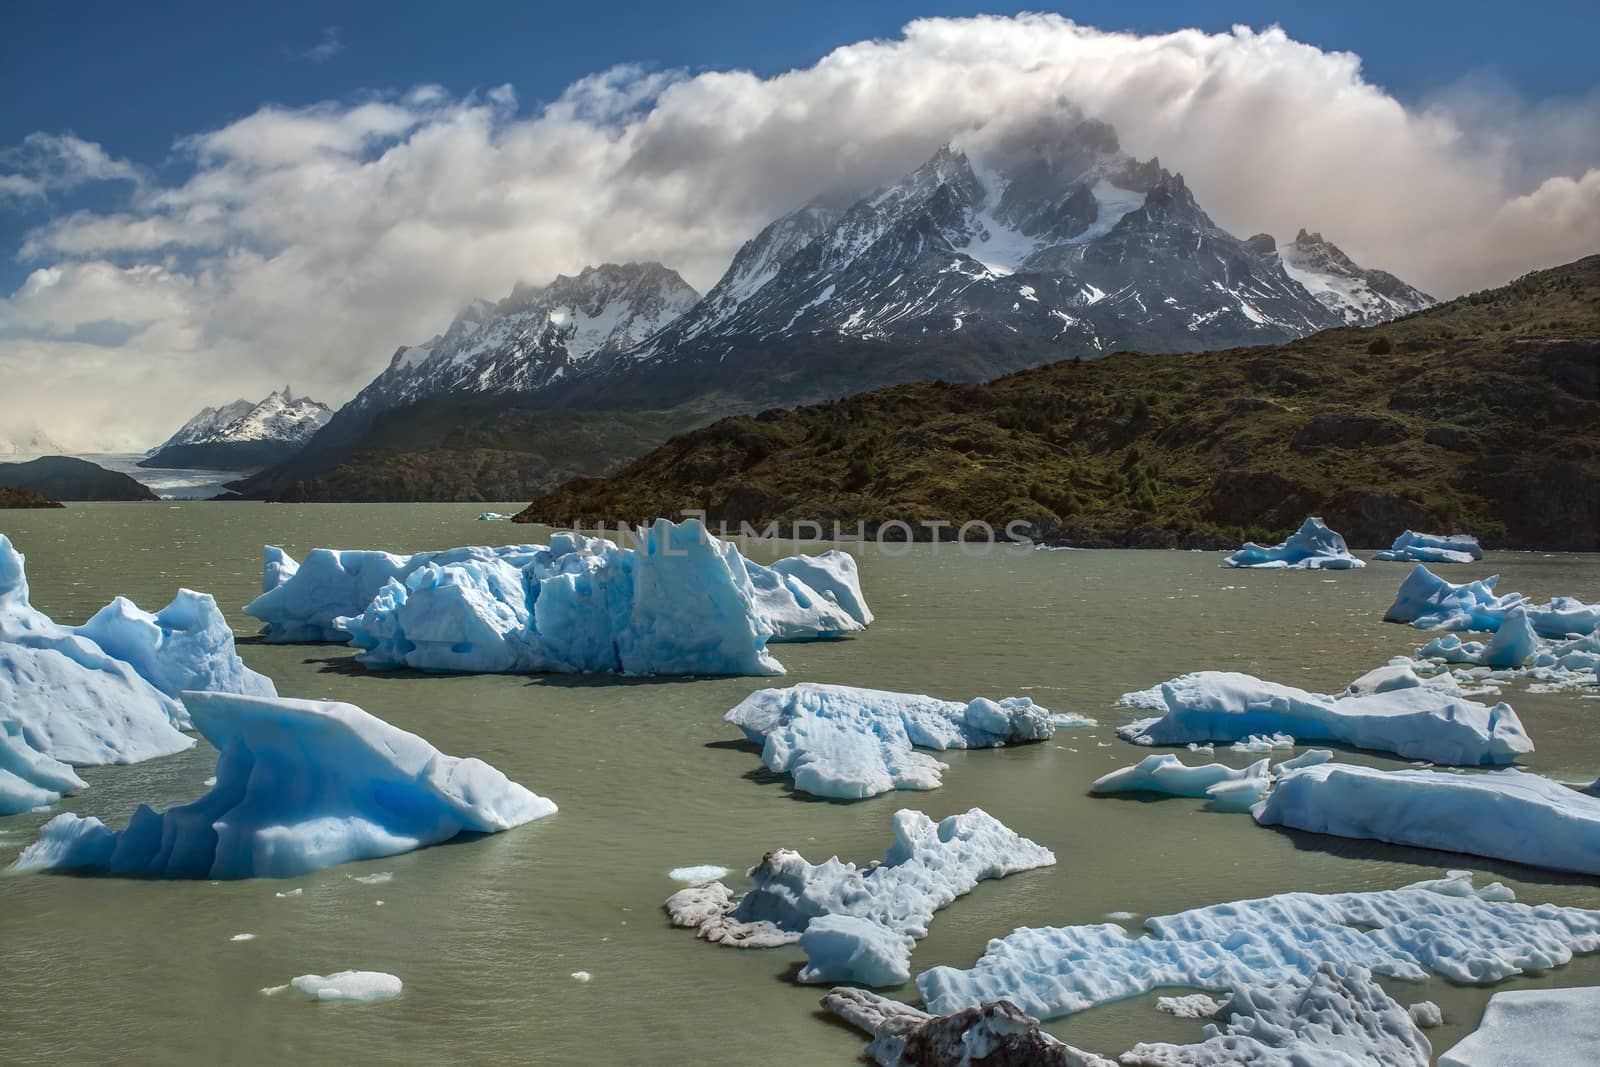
(1512, 645)
(1428, 602)
(1311, 757)
(1238, 796)
(1193, 1006)
(361, 986)
(834, 575)
(30, 779)
(582, 976)
(1412, 547)
(300, 601)
(1505, 815)
(1169, 775)
(1392, 676)
(1263, 743)
(1443, 926)
(380, 878)
(301, 784)
(699, 875)
(1426, 1014)
(242, 937)
(1312, 547)
(186, 645)
(847, 743)
(1532, 1028)
(903, 1036)
(794, 610)
(860, 925)
(1340, 1015)
(71, 699)
(1419, 722)
(493, 516)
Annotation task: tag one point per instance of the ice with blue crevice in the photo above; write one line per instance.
(1312, 547)
(300, 785)
(1412, 547)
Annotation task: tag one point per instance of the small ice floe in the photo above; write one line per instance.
(379, 878)
(582, 976)
(1426, 1014)
(846, 743)
(358, 986)
(860, 924)
(242, 937)
(1193, 1006)
(1407, 716)
(493, 516)
(1170, 776)
(298, 891)
(1504, 814)
(1121, 916)
(698, 875)
(1312, 547)
(1412, 547)
(1532, 1026)
(992, 1033)
(1263, 743)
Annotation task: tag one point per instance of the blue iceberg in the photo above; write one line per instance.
(847, 743)
(105, 692)
(1429, 602)
(1412, 547)
(681, 602)
(30, 779)
(855, 924)
(300, 785)
(1504, 815)
(1532, 1026)
(1444, 927)
(1169, 776)
(1420, 721)
(1312, 547)
(1514, 643)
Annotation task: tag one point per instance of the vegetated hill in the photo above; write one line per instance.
(477, 448)
(65, 478)
(25, 498)
(1480, 415)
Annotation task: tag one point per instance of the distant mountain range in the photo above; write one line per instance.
(1056, 246)
(67, 478)
(243, 435)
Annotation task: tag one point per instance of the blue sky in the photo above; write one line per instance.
(259, 193)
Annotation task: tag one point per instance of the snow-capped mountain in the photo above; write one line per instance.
(535, 337)
(1361, 297)
(242, 434)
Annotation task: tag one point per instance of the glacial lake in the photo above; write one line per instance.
(486, 934)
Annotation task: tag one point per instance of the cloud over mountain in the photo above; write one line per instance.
(306, 244)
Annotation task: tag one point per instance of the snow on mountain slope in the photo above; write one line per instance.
(536, 336)
(242, 434)
(1362, 297)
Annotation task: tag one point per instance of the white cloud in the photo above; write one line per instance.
(50, 162)
(310, 242)
(328, 45)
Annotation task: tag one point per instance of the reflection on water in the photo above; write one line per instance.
(486, 934)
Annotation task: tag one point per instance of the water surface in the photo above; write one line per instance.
(486, 934)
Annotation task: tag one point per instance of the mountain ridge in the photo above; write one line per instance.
(242, 434)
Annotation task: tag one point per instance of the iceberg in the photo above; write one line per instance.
(992, 1034)
(69, 698)
(30, 779)
(1170, 776)
(301, 785)
(1504, 815)
(682, 602)
(493, 516)
(846, 743)
(1466, 935)
(1429, 602)
(860, 924)
(187, 645)
(1419, 722)
(1312, 547)
(1513, 644)
(360, 986)
(1532, 1026)
(1412, 547)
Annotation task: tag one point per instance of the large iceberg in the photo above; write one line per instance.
(187, 645)
(1533, 1028)
(860, 924)
(1419, 722)
(30, 779)
(1412, 547)
(71, 699)
(1312, 547)
(682, 602)
(1505, 815)
(301, 784)
(847, 743)
(1467, 935)
(1429, 602)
